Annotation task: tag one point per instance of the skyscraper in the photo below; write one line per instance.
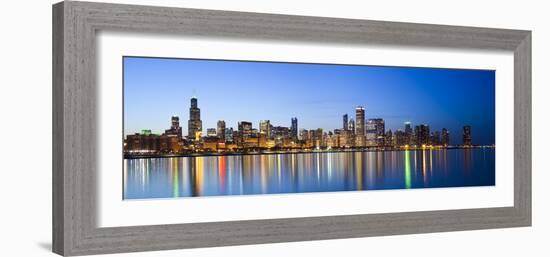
(229, 134)
(436, 138)
(265, 128)
(351, 126)
(195, 122)
(175, 122)
(375, 132)
(175, 129)
(426, 133)
(279, 132)
(345, 122)
(408, 133)
(467, 135)
(444, 137)
(360, 126)
(294, 128)
(408, 127)
(360, 120)
(400, 138)
(388, 138)
(303, 134)
(245, 129)
(220, 130)
(422, 134)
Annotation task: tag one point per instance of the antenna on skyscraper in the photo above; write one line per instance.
(194, 93)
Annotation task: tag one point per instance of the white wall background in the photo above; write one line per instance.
(25, 108)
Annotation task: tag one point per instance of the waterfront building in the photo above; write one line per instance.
(422, 134)
(303, 134)
(375, 132)
(318, 138)
(311, 138)
(229, 134)
(467, 136)
(146, 142)
(195, 122)
(142, 143)
(345, 122)
(344, 139)
(175, 129)
(351, 126)
(408, 133)
(400, 138)
(444, 137)
(211, 143)
(251, 142)
(294, 128)
(332, 140)
(230, 147)
(236, 136)
(171, 141)
(436, 138)
(388, 139)
(265, 128)
(254, 132)
(360, 126)
(211, 132)
(220, 130)
(170, 144)
(262, 140)
(245, 129)
(280, 133)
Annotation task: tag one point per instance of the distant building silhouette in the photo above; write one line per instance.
(422, 134)
(408, 133)
(445, 137)
(467, 136)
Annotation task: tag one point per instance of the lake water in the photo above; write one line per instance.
(307, 172)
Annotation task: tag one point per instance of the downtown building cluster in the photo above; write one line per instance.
(360, 133)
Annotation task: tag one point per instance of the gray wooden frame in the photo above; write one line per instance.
(75, 25)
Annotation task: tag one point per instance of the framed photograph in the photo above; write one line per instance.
(182, 128)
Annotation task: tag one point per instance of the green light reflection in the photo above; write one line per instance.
(407, 170)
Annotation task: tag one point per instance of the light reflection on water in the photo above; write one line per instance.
(307, 172)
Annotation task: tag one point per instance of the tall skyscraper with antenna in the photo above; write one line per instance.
(195, 122)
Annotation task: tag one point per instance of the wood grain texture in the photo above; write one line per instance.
(57, 130)
(75, 25)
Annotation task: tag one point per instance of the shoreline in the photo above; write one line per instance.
(350, 150)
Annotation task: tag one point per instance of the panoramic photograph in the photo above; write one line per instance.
(198, 127)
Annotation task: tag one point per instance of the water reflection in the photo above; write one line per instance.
(307, 172)
(407, 169)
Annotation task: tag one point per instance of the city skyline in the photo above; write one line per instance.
(369, 134)
(165, 96)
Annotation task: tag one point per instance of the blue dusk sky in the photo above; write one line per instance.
(317, 94)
